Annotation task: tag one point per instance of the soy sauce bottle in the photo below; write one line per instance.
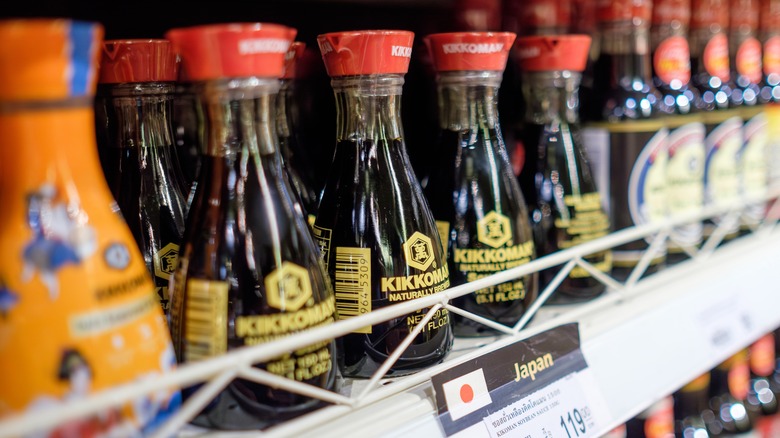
(473, 194)
(761, 399)
(375, 230)
(135, 142)
(566, 207)
(747, 71)
(657, 421)
(729, 383)
(627, 137)
(711, 75)
(690, 408)
(672, 78)
(294, 157)
(249, 271)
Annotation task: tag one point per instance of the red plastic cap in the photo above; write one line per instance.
(553, 53)
(138, 61)
(291, 58)
(744, 13)
(667, 11)
(460, 51)
(770, 15)
(477, 15)
(638, 11)
(705, 13)
(540, 14)
(232, 50)
(366, 52)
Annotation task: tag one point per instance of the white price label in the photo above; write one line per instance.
(726, 324)
(571, 407)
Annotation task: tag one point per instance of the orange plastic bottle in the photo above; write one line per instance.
(78, 312)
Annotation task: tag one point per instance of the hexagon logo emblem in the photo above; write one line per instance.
(165, 261)
(288, 288)
(494, 230)
(419, 251)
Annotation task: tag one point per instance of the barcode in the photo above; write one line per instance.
(205, 331)
(353, 283)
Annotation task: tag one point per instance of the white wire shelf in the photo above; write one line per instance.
(643, 338)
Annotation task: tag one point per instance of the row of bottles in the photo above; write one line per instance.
(739, 397)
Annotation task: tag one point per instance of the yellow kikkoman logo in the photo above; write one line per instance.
(494, 230)
(419, 251)
(165, 261)
(288, 288)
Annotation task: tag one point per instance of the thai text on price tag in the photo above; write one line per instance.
(725, 323)
(561, 409)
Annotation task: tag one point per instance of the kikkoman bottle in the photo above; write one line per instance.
(188, 130)
(135, 143)
(690, 408)
(375, 230)
(249, 271)
(672, 78)
(627, 138)
(79, 312)
(473, 194)
(556, 179)
(294, 158)
(747, 73)
(711, 75)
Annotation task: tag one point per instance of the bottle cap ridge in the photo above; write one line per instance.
(232, 50)
(291, 58)
(366, 52)
(553, 53)
(151, 60)
(637, 11)
(48, 59)
(474, 51)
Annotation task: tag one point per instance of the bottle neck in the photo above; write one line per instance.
(240, 113)
(284, 108)
(551, 96)
(140, 113)
(468, 100)
(627, 47)
(368, 107)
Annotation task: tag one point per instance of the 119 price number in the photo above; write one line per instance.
(574, 422)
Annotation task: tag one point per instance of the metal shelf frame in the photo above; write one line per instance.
(605, 324)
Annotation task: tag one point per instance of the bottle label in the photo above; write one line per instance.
(721, 169)
(322, 237)
(205, 316)
(754, 170)
(419, 254)
(352, 284)
(498, 254)
(748, 60)
(739, 377)
(685, 173)
(444, 235)
(716, 57)
(637, 194)
(164, 265)
(585, 220)
(772, 56)
(672, 61)
(762, 356)
(78, 312)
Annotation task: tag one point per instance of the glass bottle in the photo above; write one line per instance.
(690, 405)
(135, 144)
(294, 158)
(556, 179)
(770, 40)
(747, 71)
(249, 271)
(78, 310)
(729, 383)
(657, 421)
(626, 140)
(761, 399)
(672, 77)
(473, 193)
(711, 75)
(375, 230)
(188, 127)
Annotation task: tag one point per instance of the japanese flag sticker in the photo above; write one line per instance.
(466, 394)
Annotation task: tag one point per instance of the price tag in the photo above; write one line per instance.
(537, 387)
(726, 324)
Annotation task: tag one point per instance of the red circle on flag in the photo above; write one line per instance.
(466, 393)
